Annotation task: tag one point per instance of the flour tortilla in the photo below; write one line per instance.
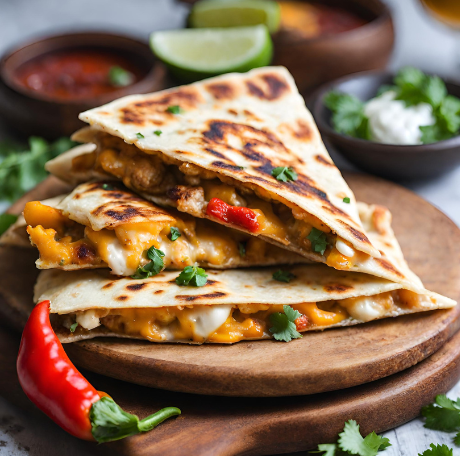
(239, 126)
(106, 205)
(70, 292)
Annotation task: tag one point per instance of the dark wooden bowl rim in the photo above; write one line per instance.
(156, 72)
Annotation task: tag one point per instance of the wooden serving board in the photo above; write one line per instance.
(226, 426)
(320, 361)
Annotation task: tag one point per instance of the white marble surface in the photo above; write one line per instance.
(420, 42)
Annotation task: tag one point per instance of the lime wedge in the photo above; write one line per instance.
(235, 13)
(193, 54)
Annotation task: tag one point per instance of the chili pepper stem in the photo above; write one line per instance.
(155, 419)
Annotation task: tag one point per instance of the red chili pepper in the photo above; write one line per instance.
(235, 215)
(56, 387)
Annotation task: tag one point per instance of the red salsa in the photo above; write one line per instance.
(78, 74)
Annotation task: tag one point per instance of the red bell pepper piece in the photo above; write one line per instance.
(56, 387)
(235, 215)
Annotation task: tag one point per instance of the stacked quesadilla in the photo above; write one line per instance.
(213, 213)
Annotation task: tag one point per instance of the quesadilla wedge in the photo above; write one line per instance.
(101, 224)
(241, 150)
(232, 306)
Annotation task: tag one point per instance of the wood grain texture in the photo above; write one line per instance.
(227, 426)
(321, 361)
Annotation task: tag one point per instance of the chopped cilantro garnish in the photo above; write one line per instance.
(175, 233)
(119, 77)
(6, 220)
(443, 415)
(284, 328)
(192, 276)
(174, 109)
(73, 327)
(437, 450)
(241, 167)
(158, 132)
(242, 249)
(318, 240)
(346, 200)
(284, 174)
(139, 135)
(154, 267)
(107, 187)
(283, 276)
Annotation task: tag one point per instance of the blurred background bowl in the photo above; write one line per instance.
(318, 60)
(386, 160)
(29, 112)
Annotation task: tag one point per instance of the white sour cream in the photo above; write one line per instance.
(392, 122)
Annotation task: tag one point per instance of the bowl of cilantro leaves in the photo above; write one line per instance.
(402, 126)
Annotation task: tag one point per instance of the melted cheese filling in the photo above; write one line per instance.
(123, 248)
(232, 323)
(153, 174)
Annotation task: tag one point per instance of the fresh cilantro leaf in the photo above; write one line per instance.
(192, 276)
(107, 187)
(449, 112)
(409, 77)
(6, 220)
(283, 276)
(318, 240)
(457, 439)
(284, 328)
(434, 133)
(154, 267)
(242, 249)
(175, 233)
(348, 114)
(434, 90)
(73, 327)
(140, 135)
(437, 450)
(346, 200)
(328, 449)
(158, 132)
(352, 441)
(283, 173)
(120, 77)
(20, 171)
(443, 415)
(174, 109)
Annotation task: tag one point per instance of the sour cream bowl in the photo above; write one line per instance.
(387, 160)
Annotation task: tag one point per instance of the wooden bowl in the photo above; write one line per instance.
(387, 160)
(315, 61)
(32, 113)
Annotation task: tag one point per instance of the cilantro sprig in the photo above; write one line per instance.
(352, 443)
(175, 233)
(176, 109)
(284, 174)
(437, 450)
(411, 86)
(73, 327)
(283, 276)
(21, 169)
(192, 276)
(6, 220)
(154, 267)
(318, 240)
(284, 328)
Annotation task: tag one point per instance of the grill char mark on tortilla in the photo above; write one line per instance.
(304, 132)
(122, 298)
(274, 87)
(136, 286)
(337, 288)
(322, 160)
(221, 91)
(137, 113)
(217, 294)
(388, 266)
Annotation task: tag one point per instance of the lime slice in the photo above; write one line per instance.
(235, 13)
(193, 54)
